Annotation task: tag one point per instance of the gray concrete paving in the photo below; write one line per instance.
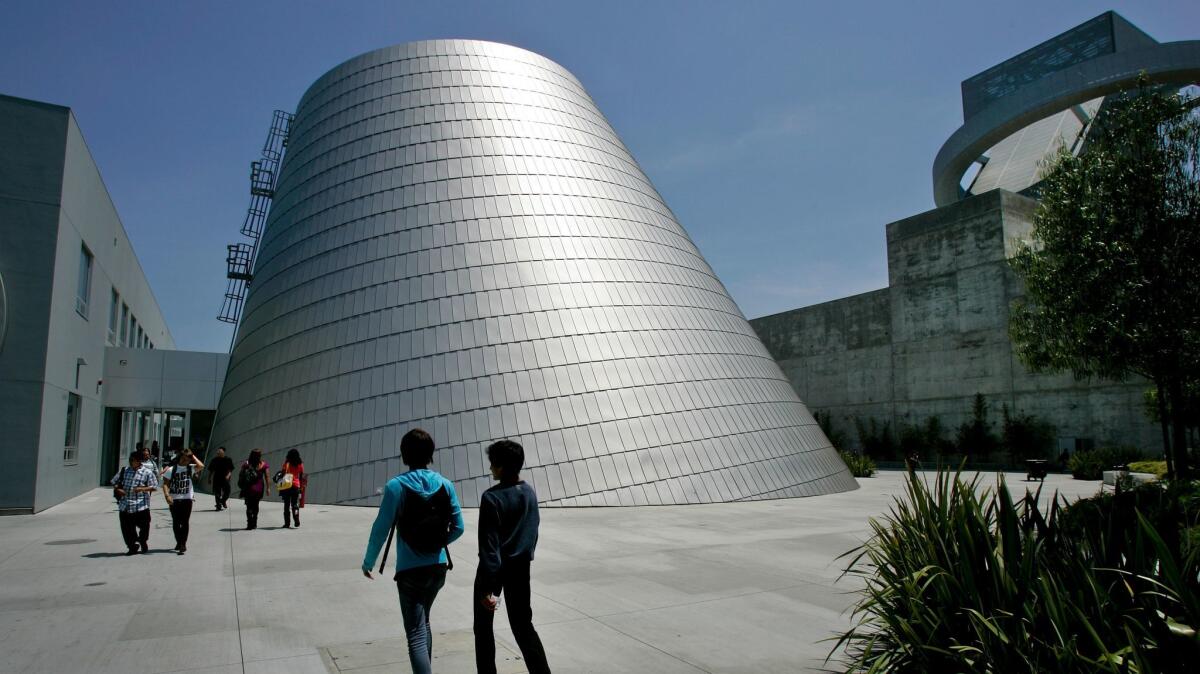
(745, 587)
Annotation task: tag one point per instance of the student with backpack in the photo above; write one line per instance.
(508, 534)
(252, 480)
(133, 486)
(422, 506)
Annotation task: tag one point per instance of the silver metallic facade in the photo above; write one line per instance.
(460, 242)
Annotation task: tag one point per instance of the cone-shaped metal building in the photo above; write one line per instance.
(459, 241)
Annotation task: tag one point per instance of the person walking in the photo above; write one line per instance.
(149, 461)
(177, 487)
(220, 471)
(252, 480)
(290, 484)
(133, 486)
(422, 505)
(508, 534)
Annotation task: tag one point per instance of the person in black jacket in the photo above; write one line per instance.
(220, 471)
(508, 533)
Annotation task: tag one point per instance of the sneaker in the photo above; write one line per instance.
(145, 547)
(131, 551)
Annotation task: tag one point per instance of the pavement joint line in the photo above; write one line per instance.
(660, 650)
(237, 607)
(702, 601)
(191, 669)
(316, 653)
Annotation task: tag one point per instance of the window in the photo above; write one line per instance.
(84, 291)
(71, 444)
(124, 341)
(112, 317)
(140, 338)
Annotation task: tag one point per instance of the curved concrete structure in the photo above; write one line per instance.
(461, 242)
(1171, 63)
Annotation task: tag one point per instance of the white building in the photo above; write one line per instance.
(71, 289)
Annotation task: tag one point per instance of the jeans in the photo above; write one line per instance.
(135, 528)
(514, 577)
(418, 588)
(291, 506)
(221, 492)
(252, 510)
(181, 513)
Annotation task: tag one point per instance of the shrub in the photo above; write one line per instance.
(860, 465)
(924, 439)
(956, 580)
(1158, 468)
(876, 438)
(1024, 436)
(975, 437)
(1090, 464)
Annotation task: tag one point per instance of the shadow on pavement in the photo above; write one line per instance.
(106, 555)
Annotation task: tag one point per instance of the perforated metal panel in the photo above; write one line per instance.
(460, 242)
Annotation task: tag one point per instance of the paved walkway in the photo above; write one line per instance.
(712, 588)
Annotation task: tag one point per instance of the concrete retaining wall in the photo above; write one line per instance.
(938, 335)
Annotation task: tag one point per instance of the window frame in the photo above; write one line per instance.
(113, 314)
(83, 287)
(74, 422)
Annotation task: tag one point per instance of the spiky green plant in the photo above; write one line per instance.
(959, 579)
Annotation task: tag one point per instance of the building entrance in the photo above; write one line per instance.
(160, 431)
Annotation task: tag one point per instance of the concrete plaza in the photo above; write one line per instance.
(742, 587)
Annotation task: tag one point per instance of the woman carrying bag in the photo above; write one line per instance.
(252, 480)
(290, 483)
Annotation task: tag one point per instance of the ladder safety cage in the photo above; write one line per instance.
(238, 261)
(240, 258)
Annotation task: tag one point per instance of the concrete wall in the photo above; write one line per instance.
(838, 354)
(55, 202)
(938, 335)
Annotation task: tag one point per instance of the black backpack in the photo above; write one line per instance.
(425, 525)
(246, 477)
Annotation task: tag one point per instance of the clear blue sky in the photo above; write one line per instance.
(784, 135)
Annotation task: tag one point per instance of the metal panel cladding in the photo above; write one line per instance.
(460, 242)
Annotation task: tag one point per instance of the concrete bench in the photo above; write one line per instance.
(1110, 478)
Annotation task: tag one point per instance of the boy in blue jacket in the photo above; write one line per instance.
(419, 576)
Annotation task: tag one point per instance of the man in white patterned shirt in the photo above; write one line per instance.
(134, 485)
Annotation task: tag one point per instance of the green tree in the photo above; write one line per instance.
(1025, 436)
(1111, 282)
(975, 437)
(1190, 411)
